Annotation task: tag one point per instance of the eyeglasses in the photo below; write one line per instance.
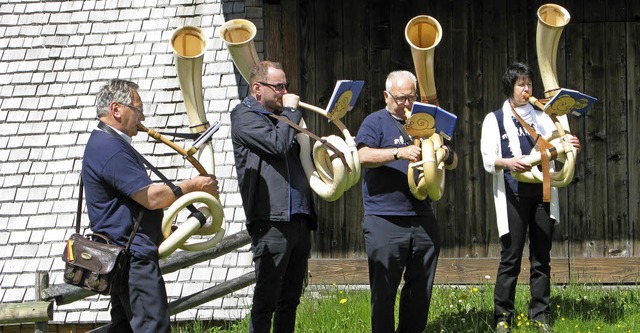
(277, 87)
(403, 99)
(134, 108)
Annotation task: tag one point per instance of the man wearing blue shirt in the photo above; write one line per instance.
(401, 232)
(118, 188)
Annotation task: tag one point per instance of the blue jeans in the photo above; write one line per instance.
(280, 253)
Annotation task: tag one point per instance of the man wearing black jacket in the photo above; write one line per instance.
(276, 196)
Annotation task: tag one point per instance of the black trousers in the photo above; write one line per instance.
(280, 253)
(144, 306)
(400, 247)
(533, 215)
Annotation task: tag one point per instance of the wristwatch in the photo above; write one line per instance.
(395, 153)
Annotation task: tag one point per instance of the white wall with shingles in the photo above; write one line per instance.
(54, 56)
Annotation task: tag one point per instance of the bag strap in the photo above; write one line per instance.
(79, 211)
(176, 190)
(403, 131)
(106, 128)
(543, 145)
(79, 216)
(336, 152)
(135, 229)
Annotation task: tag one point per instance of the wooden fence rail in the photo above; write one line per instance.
(65, 293)
(37, 311)
(475, 271)
(202, 297)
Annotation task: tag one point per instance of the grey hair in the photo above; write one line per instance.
(398, 75)
(115, 90)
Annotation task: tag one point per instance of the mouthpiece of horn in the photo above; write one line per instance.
(154, 134)
(407, 113)
(534, 101)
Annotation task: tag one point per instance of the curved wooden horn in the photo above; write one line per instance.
(423, 33)
(328, 179)
(189, 44)
(552, 19)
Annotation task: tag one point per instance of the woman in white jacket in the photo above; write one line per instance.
(519, 206)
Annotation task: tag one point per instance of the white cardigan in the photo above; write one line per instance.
(491, 150)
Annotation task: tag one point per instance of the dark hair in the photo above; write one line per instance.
(514, 72)
(260, 71)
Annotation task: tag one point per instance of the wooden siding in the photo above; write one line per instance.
(598, 54)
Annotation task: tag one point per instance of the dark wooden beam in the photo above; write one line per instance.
(483, 270)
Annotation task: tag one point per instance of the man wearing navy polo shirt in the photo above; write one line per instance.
(401, 232)
(117, 189)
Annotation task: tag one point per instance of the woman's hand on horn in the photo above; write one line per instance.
(575, 142)
(517, 164)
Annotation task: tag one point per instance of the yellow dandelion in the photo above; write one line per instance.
(342, 301)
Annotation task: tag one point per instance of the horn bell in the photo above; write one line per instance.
(238, 35)
(189, 44)
(552, 19)
(423, 33)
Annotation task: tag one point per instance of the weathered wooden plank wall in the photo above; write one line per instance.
(320, 42)
(633, 119)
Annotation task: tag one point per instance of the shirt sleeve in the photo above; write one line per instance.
(490, 143)
(126, 174)
(368, 135)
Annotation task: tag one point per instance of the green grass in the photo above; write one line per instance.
(575, 308)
